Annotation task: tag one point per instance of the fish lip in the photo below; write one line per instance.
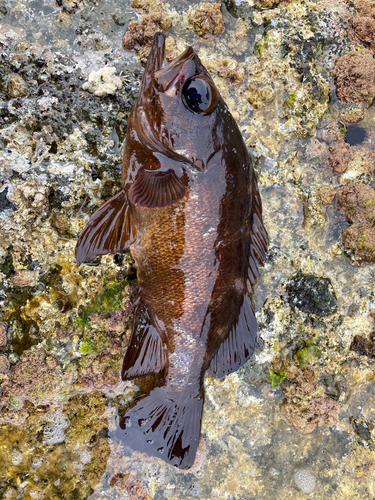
(158, 71)
(158, 48)
(179, 61)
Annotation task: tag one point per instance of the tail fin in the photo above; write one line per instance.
(165, 424)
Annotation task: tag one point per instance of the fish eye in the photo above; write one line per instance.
(197, 95)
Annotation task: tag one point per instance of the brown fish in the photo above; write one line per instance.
(191, 213)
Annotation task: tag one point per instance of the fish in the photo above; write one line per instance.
(191, 213)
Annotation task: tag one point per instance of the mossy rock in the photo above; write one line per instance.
(312, 294)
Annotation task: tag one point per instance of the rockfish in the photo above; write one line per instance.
(191, 214)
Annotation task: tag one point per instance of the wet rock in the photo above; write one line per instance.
(227, 68)
(31, 378)
(326, 195)
(354, 76)
(10, 35)
(356, 201)
(364, 29)
(207, 19)
(31, 195)
(5, 203)
(312, 294)
(362, 163)
(140, 34)
(103, 82)
(17, 86)
(25, 278)
(94, 41)
(129, 484)
(71, 6)
(363, 346)
(3, 335)
(4, 364)
(340, 156)
(365, 8)
(54, 431)
(260, 93)
(305, 481)
(268, 4)
(305, 405)
(361, 462)
(231, 69)
(362, 428)
(313, 214)
(352, 112)
(359, 242)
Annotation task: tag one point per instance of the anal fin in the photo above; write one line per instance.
(146, 353)
(239, 345)
(109, 230)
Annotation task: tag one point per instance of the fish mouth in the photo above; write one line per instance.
(157, 58)
(157, 55)
(166, 73)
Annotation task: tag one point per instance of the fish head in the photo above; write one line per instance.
(180, 111)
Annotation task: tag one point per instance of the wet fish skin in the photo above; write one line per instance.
(191, 213)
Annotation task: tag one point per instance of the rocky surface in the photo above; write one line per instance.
(340, 156)
(207, 19)
(354, 75)
(356, 201)
(298, 419)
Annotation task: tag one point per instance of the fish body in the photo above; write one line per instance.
(190, 211)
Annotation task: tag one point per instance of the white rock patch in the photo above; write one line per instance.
(54, 432)
(103, 82)
(305, 481)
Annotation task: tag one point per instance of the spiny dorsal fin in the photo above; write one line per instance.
(156, 189)
(110, 230)
(237, 348)
(239, 345)
(259, 239)
(146, 353)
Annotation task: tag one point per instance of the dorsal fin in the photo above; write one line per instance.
(146, 353)
(156, 189)
(109, 230)
(259, 239)
(239, 345)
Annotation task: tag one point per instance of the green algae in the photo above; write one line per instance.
(308, 354)
(107, 303)
(87, 346)
(277, 377)
(290, 100)
(368, 202)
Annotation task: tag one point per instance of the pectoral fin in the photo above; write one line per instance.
(110, 230)
(156, 189)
